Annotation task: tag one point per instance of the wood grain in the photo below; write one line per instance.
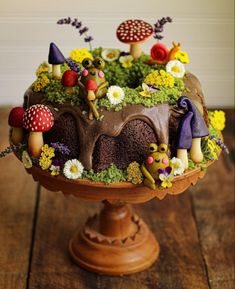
(17, 199)
(195, 232)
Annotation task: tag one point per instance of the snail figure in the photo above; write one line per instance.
(156, 159)
(93, 84)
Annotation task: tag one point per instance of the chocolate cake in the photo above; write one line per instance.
(107, 114)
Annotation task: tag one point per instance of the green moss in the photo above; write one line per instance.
(55, 92)
(132, 96)
(110, 175)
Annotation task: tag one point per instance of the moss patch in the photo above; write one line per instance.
(110, 175)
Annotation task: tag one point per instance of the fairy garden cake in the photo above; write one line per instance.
(114, 116)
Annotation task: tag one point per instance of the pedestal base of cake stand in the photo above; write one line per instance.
(115, 242)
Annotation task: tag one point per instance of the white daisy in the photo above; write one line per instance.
(110, 54)
(175, 68)
(177, 166)
(73, 169)
(115, 94)
(26, 160)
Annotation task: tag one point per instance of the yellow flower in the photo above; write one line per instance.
(55, 170)
(160, 78)
(166, 180)
(40, 83)
(45, 162)
(48, 151)
(182, 56)
(217, 119)
(134, 173)
(213, 148)
(42, 68)
(78, 54)
(126, 61)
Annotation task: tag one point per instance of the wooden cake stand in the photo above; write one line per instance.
(116, 241)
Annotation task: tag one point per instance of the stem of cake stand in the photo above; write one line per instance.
(115, 242)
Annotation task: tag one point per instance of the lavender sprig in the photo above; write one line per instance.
(77, 25)
(159, 27)
(73, 65)
(60, 147)
(219, 143)
(10, 149)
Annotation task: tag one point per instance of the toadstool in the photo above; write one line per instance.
(15, 120)
(91, 86)
(69, 80)
(184, 139)
(134, 32)
(56, 58)
(198, 128)
(37, 119)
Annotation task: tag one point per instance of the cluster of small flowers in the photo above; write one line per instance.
(77, 25)
(73, 65)
(60, 147)
(10, 149)
(159, 27)
(159, 78)
(219, 143)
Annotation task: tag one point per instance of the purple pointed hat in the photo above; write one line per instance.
(198, 125)
(185, 132)
(55, 55)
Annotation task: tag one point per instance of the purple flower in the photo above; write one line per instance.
(77, 25)
(159, 27)
(88, 39)
(219, 143)
(73, 65)
(165, 171)
(123, 53)
(83, 30)
(60, 147)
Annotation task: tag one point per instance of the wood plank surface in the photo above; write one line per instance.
(213, 201)
(17, 203)
(195, 232)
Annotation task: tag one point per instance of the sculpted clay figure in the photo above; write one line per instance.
(157, 159)
(93, 84)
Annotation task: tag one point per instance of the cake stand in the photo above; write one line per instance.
(116, 241)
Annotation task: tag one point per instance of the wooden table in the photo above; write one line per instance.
(195, 231)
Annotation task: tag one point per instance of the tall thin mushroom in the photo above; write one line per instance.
(15, 120)
(184, 139)
(198, 128)
(56, 58)
(134, 32)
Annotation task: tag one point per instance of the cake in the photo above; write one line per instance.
(110, 115)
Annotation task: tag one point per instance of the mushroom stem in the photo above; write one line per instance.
(135, 50)
(17, 135)
(90, 95)
(183, 155)
(195, 151)
(35, 143)
(56, 74)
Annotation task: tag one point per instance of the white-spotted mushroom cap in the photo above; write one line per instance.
(134, 31)
(38, 118)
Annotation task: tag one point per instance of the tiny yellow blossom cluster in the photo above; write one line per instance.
(46, 157)
(78, 54)
(214, 149)
(217, 119)
(160, 78)
(41, 82)
(42, 69)
(134, 173)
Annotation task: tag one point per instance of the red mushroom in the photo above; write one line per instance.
(134, 32)
(15, 120)
(69, 80)
(91, 86)
(37, 119)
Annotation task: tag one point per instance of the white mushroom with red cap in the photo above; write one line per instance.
(37, 119)
(15, 120)
(134, 32)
